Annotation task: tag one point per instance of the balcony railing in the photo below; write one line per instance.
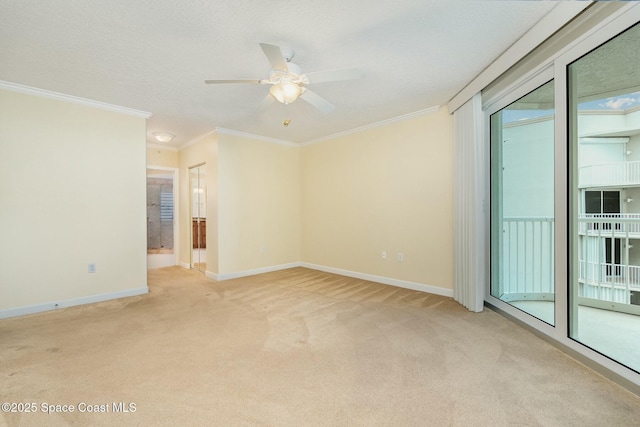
(609, 174)
(609, 282)
(528, 258)
(609, 224)
(527, 262)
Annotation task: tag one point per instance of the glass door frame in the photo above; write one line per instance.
(535, 80)
(497, 228)
(192, 190)
(565, 178)
(566, 131)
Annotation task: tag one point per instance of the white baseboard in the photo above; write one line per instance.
(184, 265)
(384, 280)
(370, 277)
(38, 308)
(32, 309)
(253, 272)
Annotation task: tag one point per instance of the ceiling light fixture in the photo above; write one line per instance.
(285, 91)
(163, 136)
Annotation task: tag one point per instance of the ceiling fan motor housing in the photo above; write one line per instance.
(287, 53)
(293, 73)
(287, 81)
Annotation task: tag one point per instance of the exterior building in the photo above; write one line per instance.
(609, 212)
(608, 207)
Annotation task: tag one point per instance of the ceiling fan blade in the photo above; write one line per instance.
(334, 75)
(317, 101)
(213, 82)
(274, 55)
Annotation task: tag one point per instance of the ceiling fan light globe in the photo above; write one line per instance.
(285, 91)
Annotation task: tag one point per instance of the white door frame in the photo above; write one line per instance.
(176, 217)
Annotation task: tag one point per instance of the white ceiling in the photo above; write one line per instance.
(154, 55)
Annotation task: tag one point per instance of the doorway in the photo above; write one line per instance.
(161, 217)
(198, 192)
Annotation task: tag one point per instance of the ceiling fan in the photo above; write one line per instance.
(287, 81)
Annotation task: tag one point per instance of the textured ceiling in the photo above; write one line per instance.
(154, 55)
(612, 69)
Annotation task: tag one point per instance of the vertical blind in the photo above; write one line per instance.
(469, 217)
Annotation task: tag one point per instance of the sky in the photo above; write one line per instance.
(621, 102)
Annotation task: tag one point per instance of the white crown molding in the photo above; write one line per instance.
(157, 146)
(195, 140)
(231, 132)
(15, 87)
(404, 117)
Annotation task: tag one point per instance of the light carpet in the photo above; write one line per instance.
(296, 347)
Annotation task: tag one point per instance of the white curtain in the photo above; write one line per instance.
(469, 205)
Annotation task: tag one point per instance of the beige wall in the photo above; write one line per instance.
(389, 188)
(72, 192)
(204, 151)
(259, 206)
(163, 158)
(337, 204)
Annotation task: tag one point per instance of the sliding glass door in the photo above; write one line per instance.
(604, 196)
(522, 203)
(564, 142)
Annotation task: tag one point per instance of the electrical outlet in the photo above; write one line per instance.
(92, 268)
(383, 254)
(400, 256)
